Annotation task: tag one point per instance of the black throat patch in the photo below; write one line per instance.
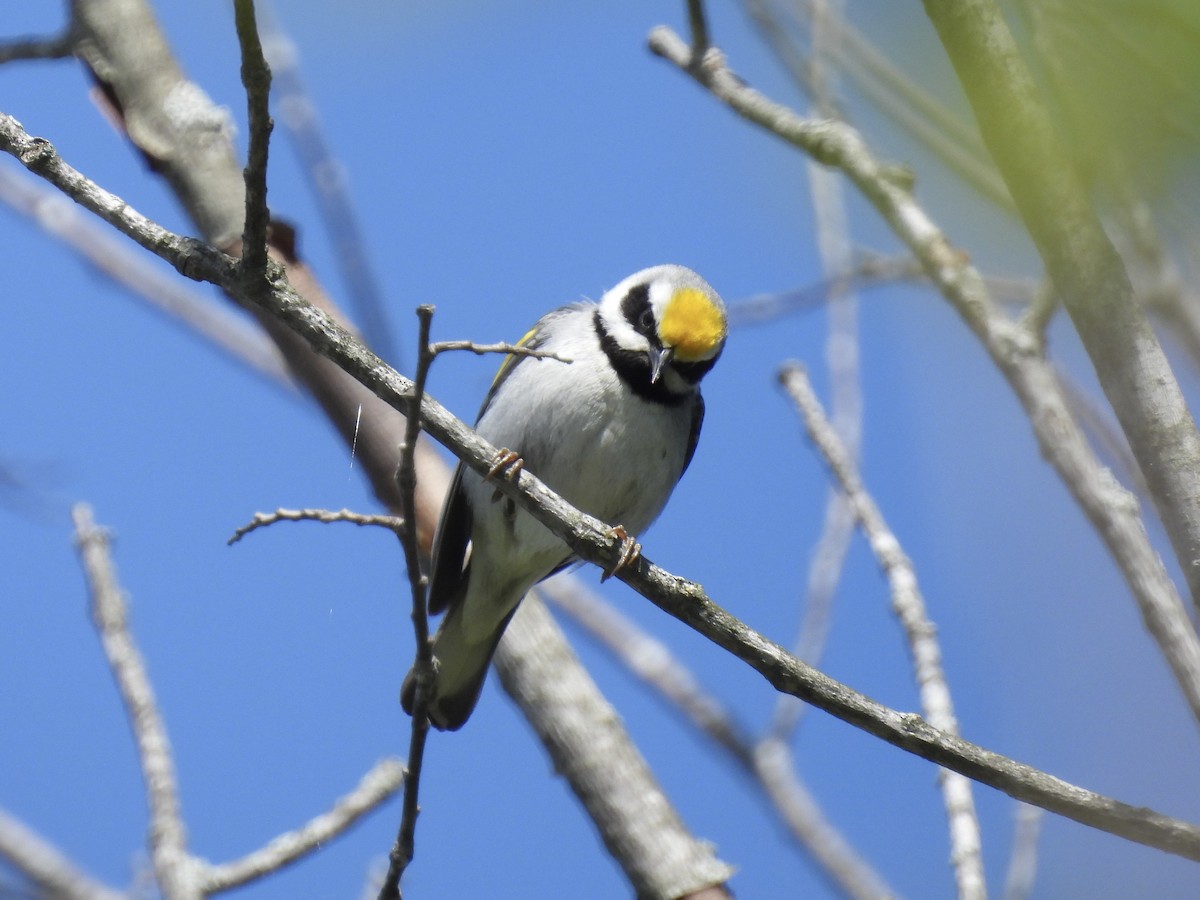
(634, 366)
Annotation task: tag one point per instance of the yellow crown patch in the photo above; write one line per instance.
(692, 324)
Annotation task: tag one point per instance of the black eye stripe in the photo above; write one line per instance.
(636, 309)
(633, 366)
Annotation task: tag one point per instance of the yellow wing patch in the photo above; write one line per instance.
(692, 324)
(510, 359)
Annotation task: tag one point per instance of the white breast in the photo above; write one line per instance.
(604, 449)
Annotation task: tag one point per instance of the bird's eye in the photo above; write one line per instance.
(646, 321)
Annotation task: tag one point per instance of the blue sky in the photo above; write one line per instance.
(506, 158)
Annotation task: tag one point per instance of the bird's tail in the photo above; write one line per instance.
(460, 670)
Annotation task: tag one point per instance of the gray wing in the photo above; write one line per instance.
(449, 569)
(535, 339)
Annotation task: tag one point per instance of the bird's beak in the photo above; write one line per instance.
(659, 357)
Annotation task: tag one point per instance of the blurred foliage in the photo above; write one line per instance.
(1124, 79)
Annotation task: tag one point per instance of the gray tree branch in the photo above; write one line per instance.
(188, 140)
(52, 873)
(1017, 353)
(174, 869)
(1086, 269)
(593, 541)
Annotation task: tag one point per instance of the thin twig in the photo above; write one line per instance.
(1040, 311)
(43, 864)
(871, 271)
(403, 850)
(59, 46)
(261, 520)
(593, 541)
(775, 769)
(894, 94)
(909, 606)
(652, 662)
(256, 77)
(378, 785)
(698, 25)
(327, 180)
(1022, 864)
(440, 347)
(173, 866)
(144, 278)
(841, 358)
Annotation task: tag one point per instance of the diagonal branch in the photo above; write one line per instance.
(1017, 352)
(909, 607)
(375, 788)
(610, 777)
(769, 762)
(189, 144)
(44, 864)
(1086, 269)
(593, 541)
(168, 838)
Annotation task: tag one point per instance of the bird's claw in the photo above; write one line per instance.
(507, 462)
(631, 551)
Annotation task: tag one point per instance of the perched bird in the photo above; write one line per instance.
(611, 431)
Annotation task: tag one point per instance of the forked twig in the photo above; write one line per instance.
(502, 347)
(376, 787)
(262, 520)
(909, 607)
(403, 850)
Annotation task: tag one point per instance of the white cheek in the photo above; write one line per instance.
(625, 336)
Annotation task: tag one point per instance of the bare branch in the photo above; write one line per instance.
(439, 347)
(230, 332)
(1022, 865)
(841, 357)
(262, 520)
(769, 763)
(868, 272)
(173, 867)
(403, 849)
(921, 633)
(607, 772)
(58, 46)
(1113, 512)
(45, 865)
(327, 179)
(1086, 269)
(593, 541)
(192, 258)
(376, 787)
(256, 77)
(774, 767)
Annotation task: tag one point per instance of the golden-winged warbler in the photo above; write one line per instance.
(611, 432)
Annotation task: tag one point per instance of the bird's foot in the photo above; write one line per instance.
(631, 551)
(506, 463)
